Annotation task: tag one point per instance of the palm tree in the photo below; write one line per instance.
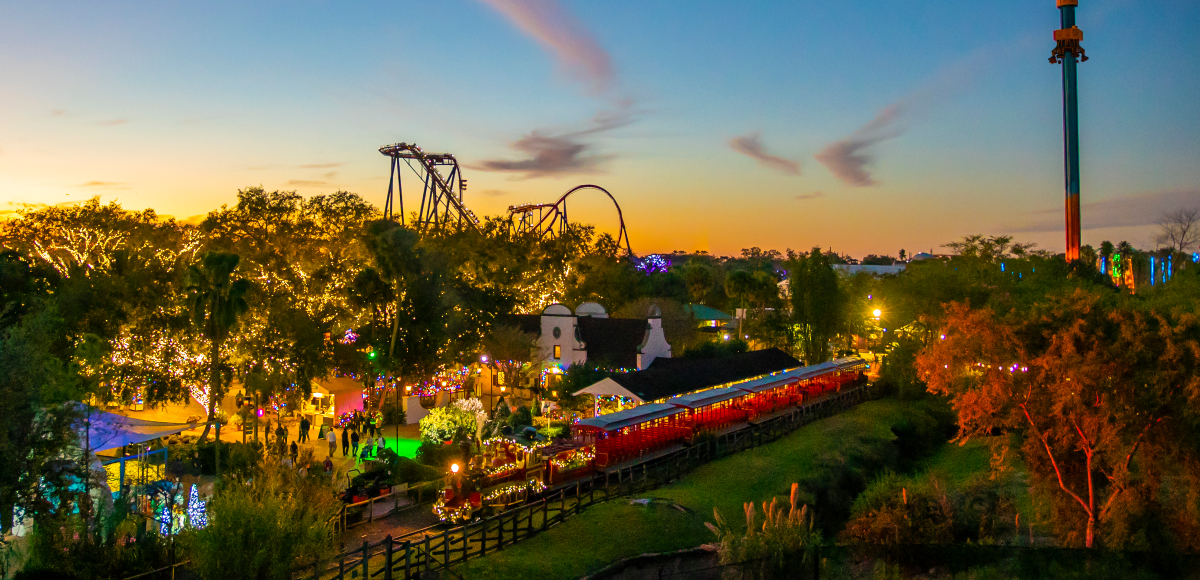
(1125, 251)
(216, 302)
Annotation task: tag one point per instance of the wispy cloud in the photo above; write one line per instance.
(751, 146)
(57, 112)
(321, 165)
(547, 153)
(105, 185)
(113, 122)
(813, 195)
(304, 182)
(1115, 212)
(849, 158)
(495, 192)
(552, 26)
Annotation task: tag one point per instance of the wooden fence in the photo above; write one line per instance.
(408, 556)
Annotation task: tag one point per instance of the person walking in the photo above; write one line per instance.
(345, 441)
(331, 437)
(379, 424)
(281, 436)
(380, 444)
(294, 452)
(304, 425)
(368, 448)
(354, 443)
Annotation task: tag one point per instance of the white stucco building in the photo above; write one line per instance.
(588, 334)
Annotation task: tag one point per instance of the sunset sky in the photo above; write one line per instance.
(863, 126)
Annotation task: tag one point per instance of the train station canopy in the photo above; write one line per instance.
(634, 416)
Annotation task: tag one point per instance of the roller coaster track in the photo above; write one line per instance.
(442, 204)
(550, 219)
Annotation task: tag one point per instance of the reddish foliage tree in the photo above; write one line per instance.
(1086, 383)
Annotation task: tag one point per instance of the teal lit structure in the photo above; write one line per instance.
(1068, 52)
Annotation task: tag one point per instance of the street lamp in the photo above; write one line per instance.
(877, 313)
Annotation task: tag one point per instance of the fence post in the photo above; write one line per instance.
(407, 559)
(483, 526)
(466, 537)
(425, 559)
(446, 548)
(366, 550)
(342, 567)
(387, 572)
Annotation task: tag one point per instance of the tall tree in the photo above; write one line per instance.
(1088, 384)
(817, 304)
(700, 280)
(1179, 230)
(217, 300)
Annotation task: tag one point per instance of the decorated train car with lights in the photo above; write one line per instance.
(510, 468)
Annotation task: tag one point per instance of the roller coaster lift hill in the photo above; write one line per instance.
(442, 206)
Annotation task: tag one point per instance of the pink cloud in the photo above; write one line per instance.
(547, 22)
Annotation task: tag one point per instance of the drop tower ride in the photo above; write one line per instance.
(1069, 53)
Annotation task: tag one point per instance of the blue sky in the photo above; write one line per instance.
(707, 120)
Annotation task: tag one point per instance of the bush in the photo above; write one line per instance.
(114, 544)
(520, 418)
(438, 455)
(404, 470)
(200, 458)
(899, 510)
(262, 528)
(784, 541)
(449, 423)
(556, 430)
(898, 374)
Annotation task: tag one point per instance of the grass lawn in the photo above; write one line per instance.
(613, 530)
(956, 465)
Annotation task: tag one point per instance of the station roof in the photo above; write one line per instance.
(666, 378)
(634, 416)
(706, 398)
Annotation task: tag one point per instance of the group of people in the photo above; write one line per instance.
(359, 426)
(351, 439)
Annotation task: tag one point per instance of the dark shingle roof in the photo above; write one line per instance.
(678, 376)
(612, 341)
(531, 323)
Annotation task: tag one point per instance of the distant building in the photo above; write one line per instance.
(709, 319)
(853, 269)
(588, 334)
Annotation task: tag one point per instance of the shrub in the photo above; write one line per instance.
(404, 470)
(449, 423)
(896, 510)
(200, 458)
(262, 528)
(438, 455)
(785, 539)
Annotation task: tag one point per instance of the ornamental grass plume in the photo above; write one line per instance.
(784, 540)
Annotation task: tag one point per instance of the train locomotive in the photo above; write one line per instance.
(512, 468)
